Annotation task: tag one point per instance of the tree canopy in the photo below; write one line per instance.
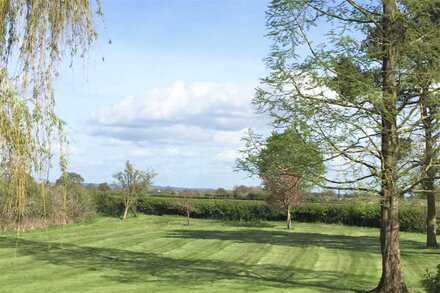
(282, 153)
(70, 179)
(134, 184)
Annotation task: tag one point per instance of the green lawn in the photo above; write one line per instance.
(160, 254)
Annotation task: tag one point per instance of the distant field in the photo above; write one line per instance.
(160, 254)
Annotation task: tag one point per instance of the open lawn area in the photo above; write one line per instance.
(161, 254)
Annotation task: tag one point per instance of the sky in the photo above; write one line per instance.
(171, 93)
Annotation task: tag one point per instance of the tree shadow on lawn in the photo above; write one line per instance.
(124, 266)
(246, 224)
(296, 239)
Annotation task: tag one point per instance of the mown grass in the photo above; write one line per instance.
(160, 254)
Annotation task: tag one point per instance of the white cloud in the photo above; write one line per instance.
(182, 131)
(180, 112)
(229, 137)
(116, 142)
(227, 156)
(141, 153)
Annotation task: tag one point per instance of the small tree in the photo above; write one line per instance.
(285, 162)
(133, 182)
(185, 203)
(284, 193)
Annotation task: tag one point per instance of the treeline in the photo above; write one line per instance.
(354, 212)
(72, 201)
(238, 192)
(259, 193)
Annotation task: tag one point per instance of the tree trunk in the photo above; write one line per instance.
(187, 217)
(428, 183)
(124, 216)
(392, 280)
(132, 210)
(289, 218)
(431, 222)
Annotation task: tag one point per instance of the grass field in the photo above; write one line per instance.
(160, 254)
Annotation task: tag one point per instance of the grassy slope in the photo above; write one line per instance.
(160, 254)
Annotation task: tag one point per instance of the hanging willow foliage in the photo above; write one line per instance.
(39, 34)
(35, 37)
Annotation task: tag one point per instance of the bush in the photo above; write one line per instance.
(81, 203)
(48, 209)
(413, 218)
(431, 283)
(109, 203)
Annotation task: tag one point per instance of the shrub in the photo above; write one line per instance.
(109, 203)
(81, 203)
(431, 283)
(48, 208)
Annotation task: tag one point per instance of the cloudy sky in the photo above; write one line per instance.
(172, 94)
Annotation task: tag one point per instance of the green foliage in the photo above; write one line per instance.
(134, 183)
(219, 209)
(104, 187)
(45, 206)
(81, 203)
(249, 192)
(353, 213)
(412, 217)
(356, 85)
(70, 179)
(221, 192)
(109, 203)
(431, 283)
(35, 37)
(286, 162)
(286, 153)
(41, 34)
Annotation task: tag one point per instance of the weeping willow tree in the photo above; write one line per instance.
(35, 37)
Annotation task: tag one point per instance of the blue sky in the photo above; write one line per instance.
(173, 93)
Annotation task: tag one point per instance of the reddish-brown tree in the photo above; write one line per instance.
(284, 192)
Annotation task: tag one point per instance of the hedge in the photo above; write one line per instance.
(219, 209)
(354, 213)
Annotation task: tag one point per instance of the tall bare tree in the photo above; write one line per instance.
(185, 203)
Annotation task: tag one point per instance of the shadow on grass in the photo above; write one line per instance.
(247, 224)
(124, 266)
(295, 239)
